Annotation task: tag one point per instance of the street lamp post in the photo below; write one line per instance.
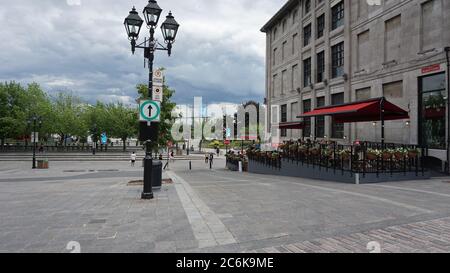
(94, 139)
(447, 55)
(169, 28)
(35, 121)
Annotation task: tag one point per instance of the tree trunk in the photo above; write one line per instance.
(124, 144)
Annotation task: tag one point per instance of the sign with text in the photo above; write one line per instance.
(158, 78)
(431, 68)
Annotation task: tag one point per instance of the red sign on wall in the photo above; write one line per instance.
(431, 68)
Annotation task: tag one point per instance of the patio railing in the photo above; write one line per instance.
(365, 158)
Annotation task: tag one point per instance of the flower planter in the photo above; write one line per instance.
(42, 164)
(387, 156)
(399, 156)
(413, 154)
(371, 156)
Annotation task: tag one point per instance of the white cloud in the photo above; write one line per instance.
(74, 2)
(219, 53)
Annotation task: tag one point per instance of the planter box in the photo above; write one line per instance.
(42, 164)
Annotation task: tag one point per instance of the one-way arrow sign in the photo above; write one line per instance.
(150, 111)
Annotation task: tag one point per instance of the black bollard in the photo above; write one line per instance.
(190, 165)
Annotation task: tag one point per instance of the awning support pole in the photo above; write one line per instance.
(382, 122)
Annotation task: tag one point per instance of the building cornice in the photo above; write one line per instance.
(280, 14)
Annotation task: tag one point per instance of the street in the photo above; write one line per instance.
(216, 210)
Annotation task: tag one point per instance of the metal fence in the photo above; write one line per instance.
(365, 158)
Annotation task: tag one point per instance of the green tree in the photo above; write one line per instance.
(122, 122)
(12, 115)
(68, 116)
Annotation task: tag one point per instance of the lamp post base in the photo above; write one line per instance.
(147, 195)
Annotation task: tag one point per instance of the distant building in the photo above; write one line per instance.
(321, 53)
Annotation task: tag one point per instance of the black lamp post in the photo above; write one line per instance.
(447, 55)
(133, 24)
(36, 122)
(94, 132)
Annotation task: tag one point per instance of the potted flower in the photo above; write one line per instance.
(372, 154)
(413, 153)
(314, 151)
(400, 153)
(345, 154)
(387, 154)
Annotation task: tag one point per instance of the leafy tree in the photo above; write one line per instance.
(68, 112)
(12, 116)
(122, 122)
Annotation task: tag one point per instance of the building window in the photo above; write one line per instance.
(364, 54)
(307, 121)
(337, 60)
(294, 17)
(307, 6)
(320, 121)
(283, 119)
(295, 83)
(307, 35)
(320, 26)
(337, 129)
(432, 111)
(294, 43)
(392, 40)
(320, 66)
(274, 57)
(274, 85)
(363, 94)
(283, 50)
(307, 72)
(393, 89)
(284, 25)
(337, 15)
(283, 81)
(432, 27)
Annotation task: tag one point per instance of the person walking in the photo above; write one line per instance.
(211, 159)
(172, 157)
(206, 158)
(133, 159)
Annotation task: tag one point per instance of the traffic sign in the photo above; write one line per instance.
(150, 111)
(158, 78)
(157, 93)
(227, 142)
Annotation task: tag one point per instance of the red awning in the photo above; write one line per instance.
(363, 111)
(292, 125)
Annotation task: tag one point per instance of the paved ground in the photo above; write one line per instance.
(214, 211)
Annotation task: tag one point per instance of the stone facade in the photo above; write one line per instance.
(387, 49)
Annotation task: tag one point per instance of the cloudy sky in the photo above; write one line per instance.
(81, 46)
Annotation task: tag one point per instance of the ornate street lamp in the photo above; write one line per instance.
(169, 30)
(133, 24)
(152, 13)
(36, 122)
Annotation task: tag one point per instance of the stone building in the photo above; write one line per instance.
(330, 52)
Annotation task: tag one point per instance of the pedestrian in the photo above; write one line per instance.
(211, 158)
(172, 157)
(133, 159)
(160, 158)
(41, 149)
